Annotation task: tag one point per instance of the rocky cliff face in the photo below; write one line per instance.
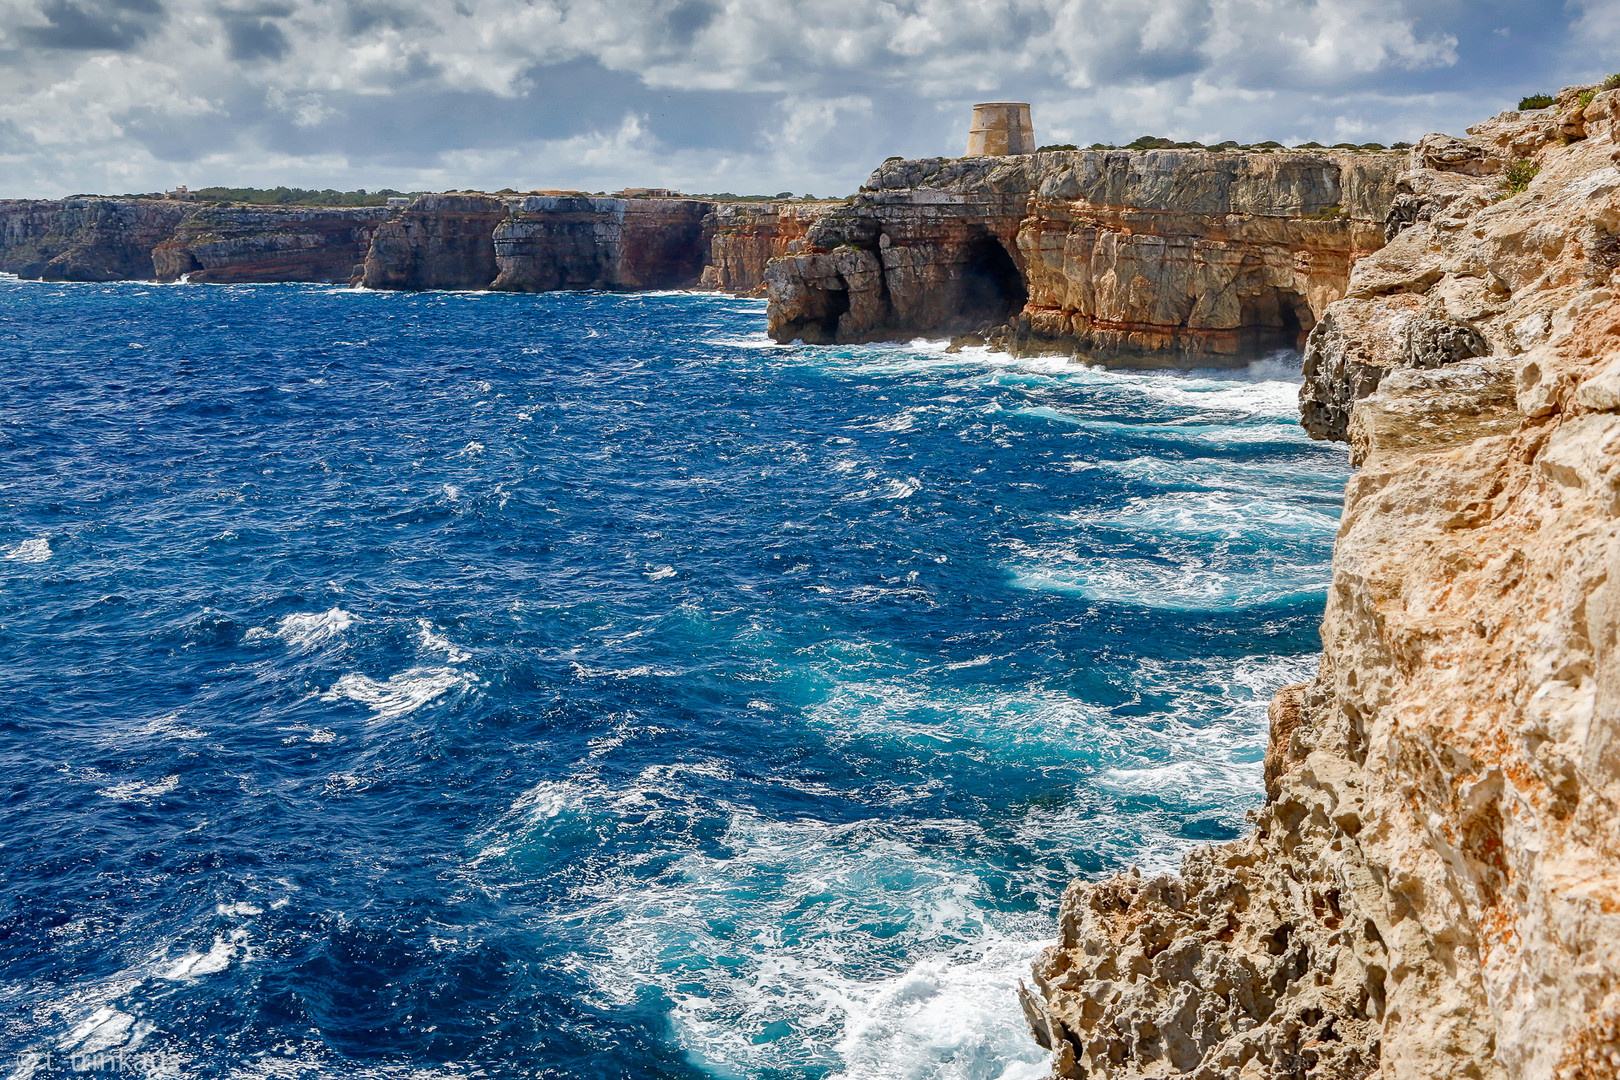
(1141, 254)
(438, 242)
(85, 239)
(745, 236)
(581, 242)
(456, 240)
(1433, 886)
(231, 244)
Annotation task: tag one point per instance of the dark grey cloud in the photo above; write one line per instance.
(117, 25)
(253, 33)
(365, 16)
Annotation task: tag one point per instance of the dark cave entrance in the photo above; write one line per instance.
(822, 329)
(1273, 319)
(819, 323)
(992, 285)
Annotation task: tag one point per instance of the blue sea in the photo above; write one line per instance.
(581, 685)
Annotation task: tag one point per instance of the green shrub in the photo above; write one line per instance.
(1400, 146)
(1268, 145)
(1517, 178)
(1372, 146)
(1345, 146)
(1612, 82)
(1537, 101)
(1312, 145)
(286, 196)
(1584, 98)
(1151, 142)
(1056, 146)
(1229, 144)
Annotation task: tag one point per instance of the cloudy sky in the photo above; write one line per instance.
(725, 95)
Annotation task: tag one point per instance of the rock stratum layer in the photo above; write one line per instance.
(1433, 886)
(1170, 254)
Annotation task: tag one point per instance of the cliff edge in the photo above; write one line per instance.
(1432, 889)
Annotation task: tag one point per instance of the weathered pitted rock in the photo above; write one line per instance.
(580, 242)
(745, 236)
(1358, 341)
(1472, 256)
(231, 244)
(1178, 254)
(1433, 888)
(438, 242)
(85, 239)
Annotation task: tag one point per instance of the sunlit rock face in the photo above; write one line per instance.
(1163, 255)
(1433, 886)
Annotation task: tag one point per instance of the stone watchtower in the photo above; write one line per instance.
(1001, 127)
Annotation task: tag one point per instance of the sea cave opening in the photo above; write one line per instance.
(819, 325)
(1273, 319)
(992, 285)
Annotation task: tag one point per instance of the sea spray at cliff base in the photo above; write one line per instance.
(437, 683)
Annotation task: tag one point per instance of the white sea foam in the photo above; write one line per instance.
(170, 726)
(1205, 515)
(36, 550)
(403, 693)
(1173, 586)
(195, 965)
(305, 630)
(135, 791)
(430, 639)
(659, 573)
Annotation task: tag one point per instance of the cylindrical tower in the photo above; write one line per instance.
(1001, 127)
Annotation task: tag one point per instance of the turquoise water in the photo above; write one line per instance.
(580, 685)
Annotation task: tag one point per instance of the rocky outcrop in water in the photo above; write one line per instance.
(235, 244)
(438, 242)
(1170, 254)
(554, 242)
(1432, 889)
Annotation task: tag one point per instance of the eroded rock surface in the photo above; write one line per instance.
(1131, 254)
(231, 244)
(85, 239)
(554, 242)
(441, 241)
(745, 236)
(1433, 886)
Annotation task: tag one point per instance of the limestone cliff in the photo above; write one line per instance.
(1171, 254)
(85, 239)
(231, 244)
(745, 236)
(554, 242)
(1433, 887)
(438, 242)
